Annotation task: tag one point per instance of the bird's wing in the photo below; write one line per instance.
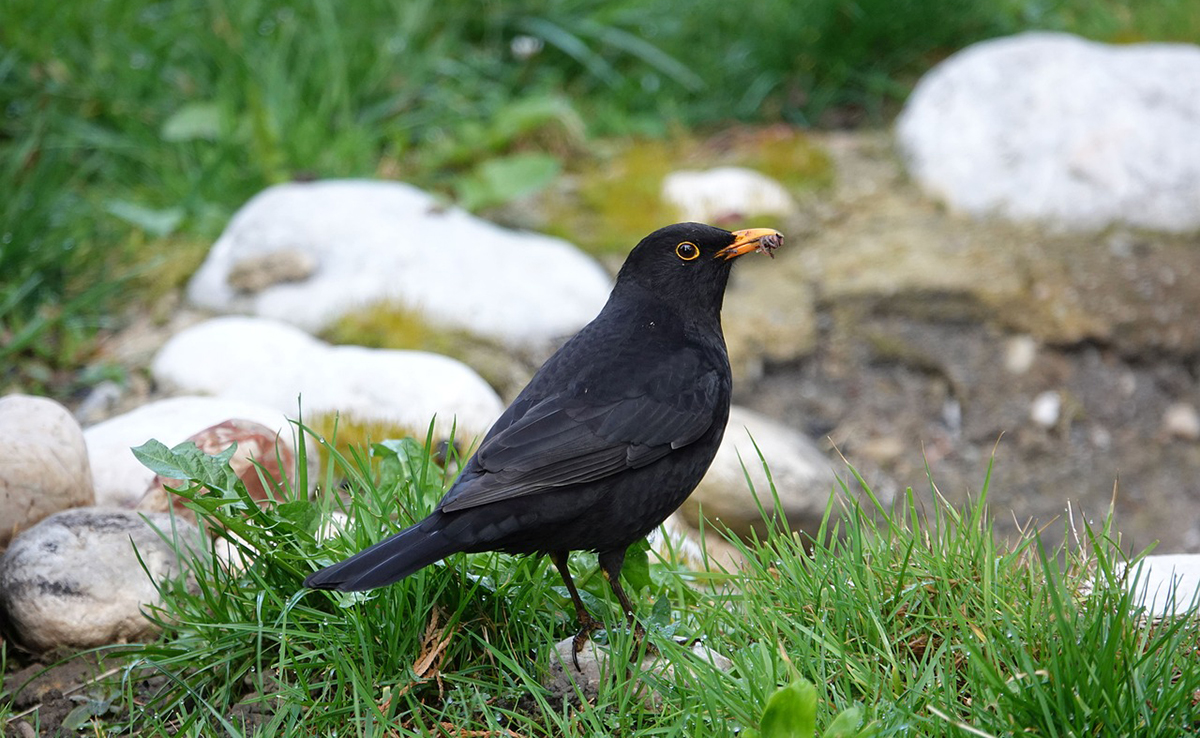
(573, 439)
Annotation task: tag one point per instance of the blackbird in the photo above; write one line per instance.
(610, 436)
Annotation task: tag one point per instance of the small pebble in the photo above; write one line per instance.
(1191, 539)
(952, 416)
(1019, 353)
(99, 403)
(1182, 421)
(1101, 437)
(1046, 408)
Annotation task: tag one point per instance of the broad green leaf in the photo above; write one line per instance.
(637, 566)
(525, 115)
(399, 460)
(845, 725)
(300, 513)
(185, 461)
(159, 459)
(791, 712)
(504, 179)
(520, 174)
(159, 222)
(660, 614)
(473, 194)
(82, 714)
(198, 120)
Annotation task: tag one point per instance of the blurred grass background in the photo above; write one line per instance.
(132, 130)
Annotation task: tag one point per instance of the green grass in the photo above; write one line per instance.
(920, 618)
(131, 131)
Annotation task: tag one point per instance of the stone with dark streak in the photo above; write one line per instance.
(75, 581)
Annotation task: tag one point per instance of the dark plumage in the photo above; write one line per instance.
(609, 437)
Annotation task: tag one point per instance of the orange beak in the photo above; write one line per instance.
(753, 239)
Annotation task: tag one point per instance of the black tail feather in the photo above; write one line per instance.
(388, 561)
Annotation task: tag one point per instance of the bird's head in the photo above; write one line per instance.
(690, 262)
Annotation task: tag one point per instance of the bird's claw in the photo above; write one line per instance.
(581, 638)
(585, 633)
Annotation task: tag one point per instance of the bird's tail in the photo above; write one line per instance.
(389, 560)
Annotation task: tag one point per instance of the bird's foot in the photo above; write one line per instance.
(586, 626)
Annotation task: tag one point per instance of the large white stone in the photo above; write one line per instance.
(386, 241)
(273, 363)
(43, 462)
(121, 480)
(1053, 128)
(721, 194)
(802, 475)
(74, 580)
(1167, 585)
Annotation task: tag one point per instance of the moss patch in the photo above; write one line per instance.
(171, 262)
(348, 435)
(780, 152)
(391, 325)
(615, 199)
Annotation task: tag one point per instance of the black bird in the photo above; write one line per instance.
(609, 437)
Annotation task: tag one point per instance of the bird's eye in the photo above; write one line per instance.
(687, 251)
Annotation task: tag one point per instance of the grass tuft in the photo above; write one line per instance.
(916, 620)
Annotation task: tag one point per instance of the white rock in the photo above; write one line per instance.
(74, 580)
(1191, 539)
(1167, 585)
(1045, 409)
(1020, 353)
(1182, 421)
(121, 480)
(1100, 437)
(99, 402)
(679, 543)
(1050, 127)
(44, 464)
(268, 362)
(229, 551)
(385, 241)
(803, 477)
(725, 193)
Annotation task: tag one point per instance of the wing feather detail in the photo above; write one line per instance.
(573, 439)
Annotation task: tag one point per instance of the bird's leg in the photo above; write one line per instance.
(586, 622)
(610, 565)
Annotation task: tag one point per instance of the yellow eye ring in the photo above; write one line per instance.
(687, 251)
